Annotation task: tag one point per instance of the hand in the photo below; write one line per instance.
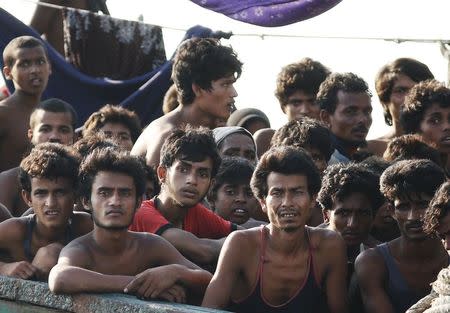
(152, 282)
(176, 293)
(22, 269)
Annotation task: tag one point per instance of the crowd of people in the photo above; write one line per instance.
(208, 205)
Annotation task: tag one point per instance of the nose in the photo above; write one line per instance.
(114, 200)
(50, 201)
(352, 221)
(55, 137)
(191, 179)
(415, 215)
(305, 109)
(233, 92)
(240, 197)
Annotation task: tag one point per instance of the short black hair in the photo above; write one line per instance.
(305, 133)
(110, 160)
(22, 42)
(335, 82)
(49, 160)
(284, 160)
(56, 106)
(341, 180)
(409, 178)
(420, 98)
(191, 144)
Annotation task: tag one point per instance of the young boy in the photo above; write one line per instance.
(189, 163)
(53, 120)
(26, 64)
(285, 266)
(48, 178)
(111, 258)
(204, 72)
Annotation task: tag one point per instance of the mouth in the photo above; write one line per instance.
(288, 215)
(415, 227)
(361, 132)
(240, 212)
(189, 193)
(445, 140)
(51, 213)
(114, 212)
(36, 82)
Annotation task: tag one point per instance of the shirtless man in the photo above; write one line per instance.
(53, 120)
(27, 65)
(297, 87)
(48, 21)
(204, 72)
(48, 177)
(395, 275)
(111, 258)
(392, 83)
(285, 266)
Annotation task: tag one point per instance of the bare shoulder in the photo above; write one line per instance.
(13, 228)
(370, 257)
(10, 175)
(82, 222)
(244, 241)
(78, 252)
(324, 239)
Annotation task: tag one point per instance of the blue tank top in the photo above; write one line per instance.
(308, 298)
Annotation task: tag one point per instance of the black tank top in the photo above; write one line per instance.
(30, 224)
(308, 298)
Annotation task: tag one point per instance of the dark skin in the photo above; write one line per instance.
(262, 139)
(418, 256)
(10, 195)
(48, 21)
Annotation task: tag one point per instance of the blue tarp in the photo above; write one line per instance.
(141, 94)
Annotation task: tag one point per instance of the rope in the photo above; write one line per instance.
(263, 36)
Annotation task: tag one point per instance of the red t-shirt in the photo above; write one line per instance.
(199, 221)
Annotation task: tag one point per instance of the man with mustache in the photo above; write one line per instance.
(189, 162)
(204, 73)
(53, 120)
(345, 107)
(26, 64)
(395, 275)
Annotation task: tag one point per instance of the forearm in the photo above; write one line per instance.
(195, 279)
(72, 279)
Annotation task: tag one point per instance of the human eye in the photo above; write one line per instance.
(125, 192)
(230, 191)
(44, 129)
(41, 61)
(104, 193)
(40, 192)
(124, 137)
(204, 174)
(434, 120)
(65, 130)
(23, 64)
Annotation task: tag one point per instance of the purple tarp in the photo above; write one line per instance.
(268, 12)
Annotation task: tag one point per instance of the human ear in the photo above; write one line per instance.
(262, 202)
(325, 117)
(161, 171)
(7, 72)
(198, 91)
(26, 196)
(86, 203)
(326, 215)
(30, 134)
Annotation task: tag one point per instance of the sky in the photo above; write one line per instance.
(347, 24)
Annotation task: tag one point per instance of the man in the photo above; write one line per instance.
(121, 125)
(297, 87)
(235, 141)
(27, 65)
(111, 258)
(392, 83)
(395, 275)
(204, 72)
(349, 198)
(189, 163)
(345, 107)
(48, 178)
(53, 120)
(284, 266)
(427, 112)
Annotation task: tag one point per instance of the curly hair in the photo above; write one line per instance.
(305, 133)
(113, 114)
(110, 160)
(305, 75)
(288, 161)
(201, 61)
(388, 74)
(51, 161)
(408, 178)
(191, 144)
(87, 144)
(420, 98)
(346, 82)
(342, 180)
(411, 146)
(438, 208)
(170, 101)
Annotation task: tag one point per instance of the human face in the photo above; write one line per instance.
(186, 182)
(52, 127)
(402, 85)
(149, 189)
(113, 200)
(30, 70)
(119, 133)
(218, 102)
(351, 217)
(444, 230)
(409, 216)
(239, 145)
(301, 104)
(352, 118)
(288, 202)
(52, 200)
(234, 202)
(435, 126)
(383, 219)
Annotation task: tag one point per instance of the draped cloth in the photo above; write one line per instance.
(142, 94)
(103, 46)
(269, 13)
